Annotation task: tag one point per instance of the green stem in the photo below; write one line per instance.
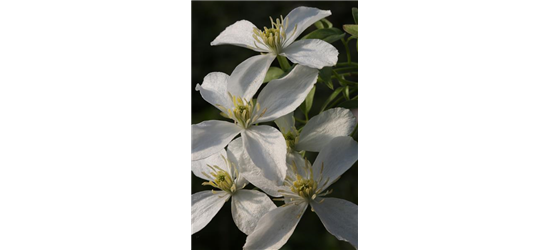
(341, 80)
(347, 64)
(299, 120)
(335, 102)
(284, 64)
(346, 44)
(346, 68)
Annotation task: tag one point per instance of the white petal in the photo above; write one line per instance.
(248, 76)
(267, 148)
(303, 17)
(313, 53)
(284, 95)
(256, 176)
(210, 137)
(205, 206)
(214, 89)
(292, 158)
(275, 228)
(234, 154)
(200, 166)
(286, 123)
(250, 172)
(248, 206)
(340, 217)
(239, 34)
(324, 127)
(338, 156)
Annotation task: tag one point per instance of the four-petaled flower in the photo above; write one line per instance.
(280, 39)
(306, 185)
(221, 171)
(233, 96)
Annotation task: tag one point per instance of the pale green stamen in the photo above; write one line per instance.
(274, 37)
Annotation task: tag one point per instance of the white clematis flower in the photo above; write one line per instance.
(304, 186)
(233, 96)
(280, 38)
(221, 171)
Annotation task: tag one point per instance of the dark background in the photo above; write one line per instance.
(209, 19)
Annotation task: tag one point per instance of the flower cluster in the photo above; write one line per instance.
(230, 154)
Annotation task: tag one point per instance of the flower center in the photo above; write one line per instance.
(274, 37)
(245, 113)
(292, 138)
(222, 179)
(305, 187)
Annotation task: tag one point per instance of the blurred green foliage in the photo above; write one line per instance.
(208, 20)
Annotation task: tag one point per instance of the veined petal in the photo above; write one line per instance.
(214, 90)
(234, 154)
(275, 228)
(303, 17)
(284, 95)
(248, 206)
(340, 217)
(286, 122)
(324, 127)
(201, 166)
(338, 156)
(240, 34)
(314, 53)
(248, 76)
(249, 172)
(267, 148)
(205, 206)
(210, 137)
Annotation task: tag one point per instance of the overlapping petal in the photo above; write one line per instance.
(267, 148)
(234, 154)
(300, 19)
(286, 122)
(324, 127)
(240, 34)
(340, 217)
(210, 137)
(201, 166)
(275, 228)
(337, 157)
(284, 95)
(248, 76)
(313, 53)
(248, 206)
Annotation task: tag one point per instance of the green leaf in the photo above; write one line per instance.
(323, 24)
(308, 103)
(351, 29)
(346, 93)
(331, 98)
(355, 14)
(273, 73)
(328, 35)
(352, 104)
(326, 75)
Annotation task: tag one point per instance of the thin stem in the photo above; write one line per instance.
(299, 120)
(345, 43)
(346, 64)
(335, 102)
(284, 64)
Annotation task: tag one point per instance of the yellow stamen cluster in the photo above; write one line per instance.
(305, 188)
(222, 179)
(244, 112)
(274, 37)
